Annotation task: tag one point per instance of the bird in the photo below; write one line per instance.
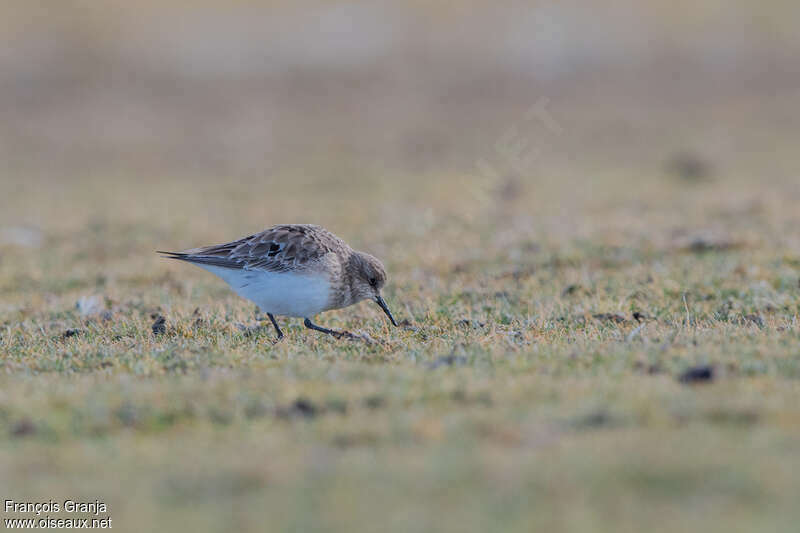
(294, 270)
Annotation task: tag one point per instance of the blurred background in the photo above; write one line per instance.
(246, 90)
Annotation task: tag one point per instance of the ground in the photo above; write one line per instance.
(534, 381)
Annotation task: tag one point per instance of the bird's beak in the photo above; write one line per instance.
(385, 309)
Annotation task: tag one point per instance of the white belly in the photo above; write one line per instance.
(279, 293)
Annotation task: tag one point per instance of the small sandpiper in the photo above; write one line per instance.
(295, 270)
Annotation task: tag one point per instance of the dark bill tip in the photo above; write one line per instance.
(385, 309)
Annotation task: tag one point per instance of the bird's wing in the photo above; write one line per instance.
(278, 249)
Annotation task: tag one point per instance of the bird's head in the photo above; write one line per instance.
(367, 279)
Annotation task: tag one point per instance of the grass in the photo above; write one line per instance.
(533, 383)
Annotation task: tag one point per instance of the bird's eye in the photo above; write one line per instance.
(373, 281)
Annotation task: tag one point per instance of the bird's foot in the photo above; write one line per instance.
(363, 337)
(344, 335)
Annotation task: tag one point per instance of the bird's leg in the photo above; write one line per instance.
(338, 334)
(275, 324)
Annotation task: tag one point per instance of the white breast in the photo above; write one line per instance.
(279, 293)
